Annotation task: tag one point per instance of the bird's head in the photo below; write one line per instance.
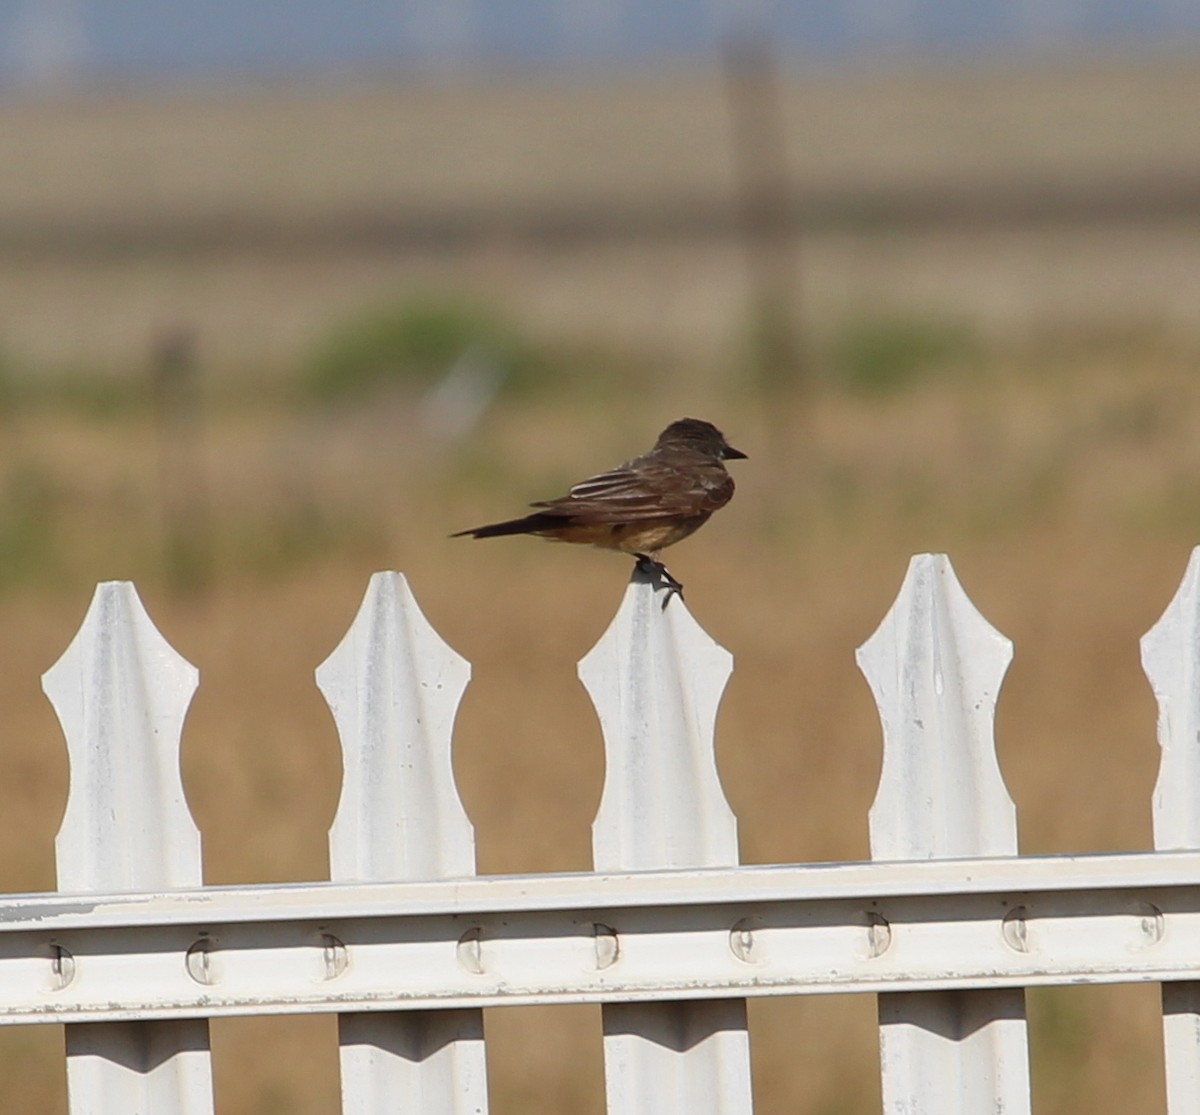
(703, 437)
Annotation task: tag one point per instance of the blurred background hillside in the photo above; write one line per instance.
(287, 295)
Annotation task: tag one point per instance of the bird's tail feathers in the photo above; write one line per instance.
(529, 524)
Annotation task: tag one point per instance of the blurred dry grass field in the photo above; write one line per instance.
(235, 210)
(1064, 488)
(525, 143)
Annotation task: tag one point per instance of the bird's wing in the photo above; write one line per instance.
(645, 489)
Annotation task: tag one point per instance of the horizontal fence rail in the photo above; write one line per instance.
(508, 940)
(947, 925)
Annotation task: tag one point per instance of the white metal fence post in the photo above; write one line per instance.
(121, 694)
(656, 679)
(394, 688)
(935, 666)
(1171, 660)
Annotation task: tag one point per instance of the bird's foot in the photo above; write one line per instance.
(654, 568)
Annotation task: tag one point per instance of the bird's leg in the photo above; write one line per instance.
(655, 568)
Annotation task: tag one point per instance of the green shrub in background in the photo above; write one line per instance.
(889, 353)
(27, 512)
(416, 344)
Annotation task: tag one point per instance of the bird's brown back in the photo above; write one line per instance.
(667, 482)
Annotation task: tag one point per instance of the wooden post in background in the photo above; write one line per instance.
(770, 231)
(175, 393)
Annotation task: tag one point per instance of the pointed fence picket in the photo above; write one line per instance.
(1171, 660)
(935, 666)
(121, 694)
(394, 687)
(656, 679)
(948, 924)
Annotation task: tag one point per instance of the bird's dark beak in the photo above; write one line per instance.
(731, 454)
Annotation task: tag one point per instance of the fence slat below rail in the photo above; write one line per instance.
(656, 679)
(121, 694)
(935, 666)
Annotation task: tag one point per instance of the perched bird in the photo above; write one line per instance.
(643, 506)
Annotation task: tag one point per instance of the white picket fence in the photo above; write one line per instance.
(947, 925)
